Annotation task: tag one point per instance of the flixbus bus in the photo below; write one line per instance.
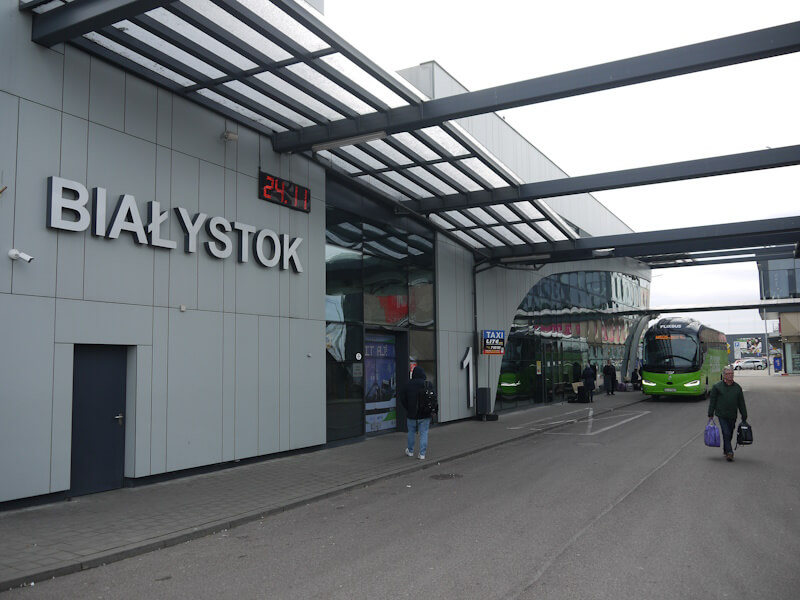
(682, 357)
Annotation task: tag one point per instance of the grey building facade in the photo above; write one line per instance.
(171, 318)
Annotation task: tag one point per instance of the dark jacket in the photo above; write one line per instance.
(726, 400)
(588, 379)
(410, 393)
(610, 372)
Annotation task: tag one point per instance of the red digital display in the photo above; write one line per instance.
(277, 190)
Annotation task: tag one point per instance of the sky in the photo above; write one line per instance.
(722, 111)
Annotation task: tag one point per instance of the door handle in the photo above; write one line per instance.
(119, 418)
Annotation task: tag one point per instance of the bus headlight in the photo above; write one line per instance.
(694, 383)
(647, 383)
(515, 384)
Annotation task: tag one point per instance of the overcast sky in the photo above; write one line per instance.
(723, 111)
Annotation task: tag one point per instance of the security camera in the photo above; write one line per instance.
(14, 254)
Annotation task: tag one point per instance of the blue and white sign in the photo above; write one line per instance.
(493, 341)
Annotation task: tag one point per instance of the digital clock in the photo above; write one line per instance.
(277, 190)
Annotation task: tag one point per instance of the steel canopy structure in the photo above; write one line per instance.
(277, 68)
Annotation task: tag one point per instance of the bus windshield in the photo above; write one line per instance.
(670, 352)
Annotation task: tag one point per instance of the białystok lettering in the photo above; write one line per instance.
(64, 196)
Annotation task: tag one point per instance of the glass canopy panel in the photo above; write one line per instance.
(506, 234)
(468, 240)
(381, 187)
(268, 102)
(528, 210)
(139, 59)
(506, 213)
(362, 156)
(298, 96)
(395, 156)
(245, 33)
(285, 24)
(162, 45)
(430, 179)
(420, 241)
(460, 218)
(190, 32)
(358, 76)
(484, 172)
(324, 84)
(245, 112)
(338, 162)
(488, 238)
(529, 232)
(482, 216)
(409, 185)
(552, 231)
(440, 221)
(459, 177)
(417, 147)
(445, 140)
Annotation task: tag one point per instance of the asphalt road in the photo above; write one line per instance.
(627, 506)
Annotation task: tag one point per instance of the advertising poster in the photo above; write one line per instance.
(380, 382)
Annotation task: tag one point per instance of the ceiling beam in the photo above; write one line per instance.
(77, 18)
(688, 169)
(727, 236)
(732, 50)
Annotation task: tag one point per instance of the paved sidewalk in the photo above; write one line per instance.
(47, 541)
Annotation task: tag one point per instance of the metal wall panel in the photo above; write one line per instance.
(107, 95)
(74, 146)
(247, 376)
(197, 131)
(9, 118)
(140, 422)
(194, 405)
(141, 108)
(79, 322)
(159, 391)
(307, 380)
(228, 414)
(210, 269)
(77, 67)
(270, 348)
(163, 258)
(119, 270)
(184, 193)
(26, 409)
(37, 158)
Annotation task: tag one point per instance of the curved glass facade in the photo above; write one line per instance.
(556, 332)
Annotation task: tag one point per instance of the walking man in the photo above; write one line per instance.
(726, 399)
(409, 399)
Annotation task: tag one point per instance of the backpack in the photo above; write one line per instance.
(427, 404)
(744, 434)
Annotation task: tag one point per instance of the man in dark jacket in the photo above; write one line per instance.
(726, 399)
(609, 377)
(409, 399)
(588, 382)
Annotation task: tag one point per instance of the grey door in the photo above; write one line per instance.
(98, 418)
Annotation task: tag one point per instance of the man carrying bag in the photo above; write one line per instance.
(725, 401)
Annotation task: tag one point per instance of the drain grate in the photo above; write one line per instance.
(443, 476)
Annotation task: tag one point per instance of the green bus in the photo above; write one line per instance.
(682, 357)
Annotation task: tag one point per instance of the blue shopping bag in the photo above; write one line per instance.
(712, 434)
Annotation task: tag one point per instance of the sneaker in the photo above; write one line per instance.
(422, 457)
(729, 457)
(409, 452)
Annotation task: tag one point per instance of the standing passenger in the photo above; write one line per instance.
(588, 381)
(726, 399)
(609, 377)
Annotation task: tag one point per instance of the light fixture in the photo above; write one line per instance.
(230, 136)
(599, 252)
(358, 139)
(15, 254)
(527, 257)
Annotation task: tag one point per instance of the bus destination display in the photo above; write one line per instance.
(277, 190)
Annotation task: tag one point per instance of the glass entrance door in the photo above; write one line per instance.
(380, 378)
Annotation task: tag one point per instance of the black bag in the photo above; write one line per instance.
(744, 434)
(427, 404)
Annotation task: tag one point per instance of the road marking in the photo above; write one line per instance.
(590, 423)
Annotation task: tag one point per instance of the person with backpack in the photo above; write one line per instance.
(419, 400)
(725, 400)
